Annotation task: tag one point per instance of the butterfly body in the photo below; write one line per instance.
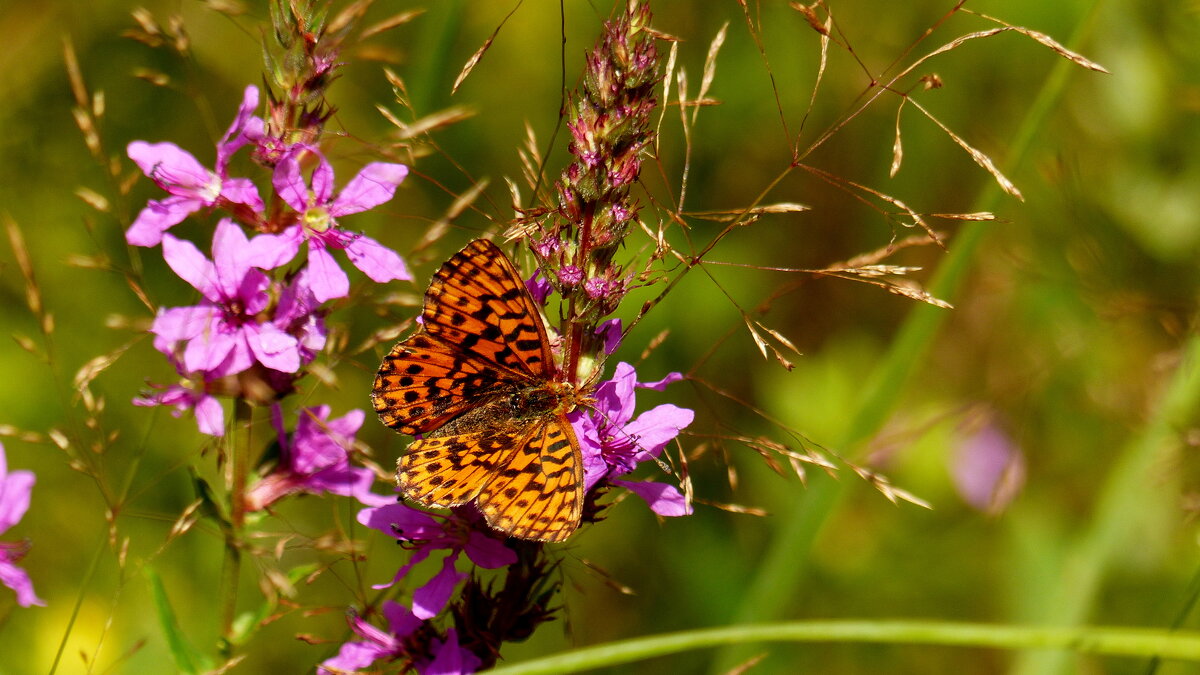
(478, 382)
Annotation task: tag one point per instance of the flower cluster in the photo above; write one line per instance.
(610, 129)
(260, 318)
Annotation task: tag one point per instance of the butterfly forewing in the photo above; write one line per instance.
(478, 302)
(478, 379)
(425, 382)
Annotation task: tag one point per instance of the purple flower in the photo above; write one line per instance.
(610, 331)
(297, 314)
(446, 657)
(316, 459)
(538, 287)
(191, 185)
(548, 246)
(451, 659)
(988, 469)
(224, 334)
(318, 211)
(427, 535)
(598, 288)
(15, 488)
(379, 644)
(613, 443)
(570, 275)
(189, 394)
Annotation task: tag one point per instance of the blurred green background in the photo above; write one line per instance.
(1067, 335)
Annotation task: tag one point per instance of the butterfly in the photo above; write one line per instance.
(478, 382)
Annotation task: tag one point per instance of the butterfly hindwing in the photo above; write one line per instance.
(537, 493)
(449, 471)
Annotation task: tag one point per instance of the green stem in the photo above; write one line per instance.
(84, 584)
(782, 570)
(239, 449)
(1128, 642)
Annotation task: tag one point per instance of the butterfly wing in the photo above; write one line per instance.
(528, 481)
(478, 302)
(482, 334)
(478, 379)
(538, 494)
(425, 382)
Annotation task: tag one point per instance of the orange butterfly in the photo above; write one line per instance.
(478, 381)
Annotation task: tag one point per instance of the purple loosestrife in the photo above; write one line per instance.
(408, 641)
(424, 534)
(610, 130)
(191, 185)
(225, 334)
(189, 394)
(317, 210)
(315, 459)
(613, 443)
(15, 488)
(988, 469)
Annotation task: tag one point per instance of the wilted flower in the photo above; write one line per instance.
(613, 443)
(191, 185)
(191, 393)
(15, 488)
(318, 210)
(315, 459)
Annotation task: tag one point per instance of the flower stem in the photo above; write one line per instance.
(1135, 642)
(239, 450)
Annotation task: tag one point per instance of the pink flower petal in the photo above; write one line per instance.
(430, 599)
(242, 191)
(665, 500)
(268, 251)
(15, 489)
(452, 659)
(210, 416)
(610, 331)
(15, 578)
(325, 278)
(661, 384)
(322, 180)
(175, 170)
(656, 427)
(238, 133)
(158, 217)
(272, 347)
(230, 248)
(175, 324)
(375, 184)
(289, 184)
(488, 552)
(352, 657)
(190, 264)
(378, 262)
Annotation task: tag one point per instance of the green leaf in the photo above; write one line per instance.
(187, 658)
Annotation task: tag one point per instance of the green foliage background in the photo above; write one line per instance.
(1068, 329)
